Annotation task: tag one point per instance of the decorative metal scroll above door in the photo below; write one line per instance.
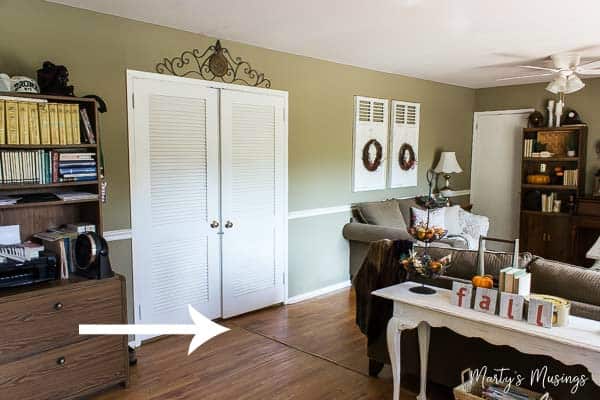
(214, 64)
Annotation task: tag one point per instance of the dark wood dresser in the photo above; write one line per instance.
(42, 355)
(585, 229)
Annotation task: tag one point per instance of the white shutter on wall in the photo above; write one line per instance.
(405, 130)
(370, 122)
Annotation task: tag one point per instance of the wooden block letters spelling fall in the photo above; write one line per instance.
(485, 300)
(511, 306)
(461, 294)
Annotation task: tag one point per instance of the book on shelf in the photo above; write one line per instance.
(571, 177)
(71, 196)
(44, 123)
(23, 114)
(54, 131)
(62, 124)
(87, 126)
(46, 166)
(34, 124)
(12, 122)
(36, 121)
(2, 123)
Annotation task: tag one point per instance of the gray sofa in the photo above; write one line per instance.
(387, 219)
(580, 285)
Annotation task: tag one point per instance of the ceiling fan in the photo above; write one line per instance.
(566, 72)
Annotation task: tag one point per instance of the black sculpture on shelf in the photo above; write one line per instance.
(53, 79)
(215, 63)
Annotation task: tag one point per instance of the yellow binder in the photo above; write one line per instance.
(12, 122)
(2, 123)
(53, 118)
(44, 123)
(75, 123)
(62, 128)
(34, 124)
(23, 122)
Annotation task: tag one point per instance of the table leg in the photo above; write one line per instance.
(424, 333)
(393, 341)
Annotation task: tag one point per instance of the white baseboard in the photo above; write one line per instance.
(318, 292)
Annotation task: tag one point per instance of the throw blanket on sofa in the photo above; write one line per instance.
(379, 269)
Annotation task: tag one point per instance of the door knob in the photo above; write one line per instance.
(214, 224)
(228, 224)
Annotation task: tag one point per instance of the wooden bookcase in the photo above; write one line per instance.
(37, 217)
(548, 234)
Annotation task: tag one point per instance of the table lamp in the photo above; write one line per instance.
(447, 165)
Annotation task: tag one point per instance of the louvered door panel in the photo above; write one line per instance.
(253, 189)
(404, 136)
(370, 126)
(175, 196)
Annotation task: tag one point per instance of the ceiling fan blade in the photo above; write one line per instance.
(523, 77)
(588, 71)
(539, 68)
(590, 65)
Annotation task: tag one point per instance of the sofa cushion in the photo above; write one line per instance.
(565, 280)
(464, 262)
(384, 213)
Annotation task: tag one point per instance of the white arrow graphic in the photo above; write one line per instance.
(203, 329)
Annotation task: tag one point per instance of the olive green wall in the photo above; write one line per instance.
(97, 49)
(586, 102)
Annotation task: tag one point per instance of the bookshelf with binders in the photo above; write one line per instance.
(49, 162)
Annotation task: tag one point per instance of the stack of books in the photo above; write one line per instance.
(571, 177)
(528, 146)
(62, 242)
(515, 280)
(74, 167)
(548, 202)
(45, 166)
(36, 121)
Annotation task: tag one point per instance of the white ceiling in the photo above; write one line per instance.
(463, 42)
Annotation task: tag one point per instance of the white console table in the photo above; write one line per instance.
(579, 343)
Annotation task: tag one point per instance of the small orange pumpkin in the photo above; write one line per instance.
(485, 281)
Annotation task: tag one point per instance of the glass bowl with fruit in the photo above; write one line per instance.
(427, 234)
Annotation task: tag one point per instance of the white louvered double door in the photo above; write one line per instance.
(209, 199)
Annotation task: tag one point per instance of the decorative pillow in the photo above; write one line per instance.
(452, 220)
(385, 213)
(473, 225)
(436, 217)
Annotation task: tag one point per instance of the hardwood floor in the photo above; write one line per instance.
(309, 350)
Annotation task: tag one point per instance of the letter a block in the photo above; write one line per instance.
(540, 313)
(461, 294)
(511, 306)
(485, 300)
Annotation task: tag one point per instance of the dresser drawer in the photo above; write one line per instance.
(32, 324)
(66, 373)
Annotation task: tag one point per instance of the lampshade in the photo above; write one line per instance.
(557, 85)
(574, 83)
(448, 163)
(564, 84)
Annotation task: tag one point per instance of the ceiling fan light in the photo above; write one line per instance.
(558, 85)
(574, 83)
